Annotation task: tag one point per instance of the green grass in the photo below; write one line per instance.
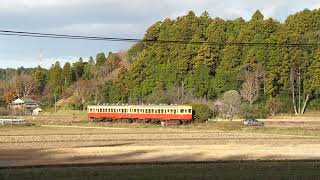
(219, 170)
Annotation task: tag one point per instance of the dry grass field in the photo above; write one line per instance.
(70, 139)
(22, 146)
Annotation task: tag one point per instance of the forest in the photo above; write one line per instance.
(226, 79)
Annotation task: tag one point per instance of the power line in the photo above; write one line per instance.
(116, 39)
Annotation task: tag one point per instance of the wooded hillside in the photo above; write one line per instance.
(262, 79)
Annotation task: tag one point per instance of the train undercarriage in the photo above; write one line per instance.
(154, 121)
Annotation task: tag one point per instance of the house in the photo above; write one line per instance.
(23, 106)
(36, 111)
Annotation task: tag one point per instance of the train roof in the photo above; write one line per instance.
(141, 106)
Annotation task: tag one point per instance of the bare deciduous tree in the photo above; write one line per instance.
(250, 89)
(23, 84)
(296, 90)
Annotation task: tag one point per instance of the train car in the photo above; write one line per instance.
(140, 113)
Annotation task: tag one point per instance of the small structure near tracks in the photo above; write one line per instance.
(11, 121)
(170, 123)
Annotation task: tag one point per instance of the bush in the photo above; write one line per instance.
(202, 112)
(231, 104)
(260, 111)
(314, 105)
(4, 111)
(274, 105)
(286, 102)
(254, 110)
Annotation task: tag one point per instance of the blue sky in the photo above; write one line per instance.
(109, 18)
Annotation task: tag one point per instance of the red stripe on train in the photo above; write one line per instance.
(141, 116)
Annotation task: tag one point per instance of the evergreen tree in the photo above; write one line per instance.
(101, 59)
(67, 74)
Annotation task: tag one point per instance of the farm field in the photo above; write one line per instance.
(148, 150)
(22, 146)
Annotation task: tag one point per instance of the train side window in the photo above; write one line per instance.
(190, 110)
(181, 111)
(175, 111)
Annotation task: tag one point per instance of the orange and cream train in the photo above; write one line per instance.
(141, 113)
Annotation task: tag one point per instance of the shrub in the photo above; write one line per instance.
(274, 105)
(260, 111)
(202, 112)
(4, 111)
(314, 104)
(231, 102)
(254, 110)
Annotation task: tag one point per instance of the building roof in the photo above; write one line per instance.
(26, 100)
(23, 100)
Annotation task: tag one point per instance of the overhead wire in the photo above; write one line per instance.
(117, 39)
